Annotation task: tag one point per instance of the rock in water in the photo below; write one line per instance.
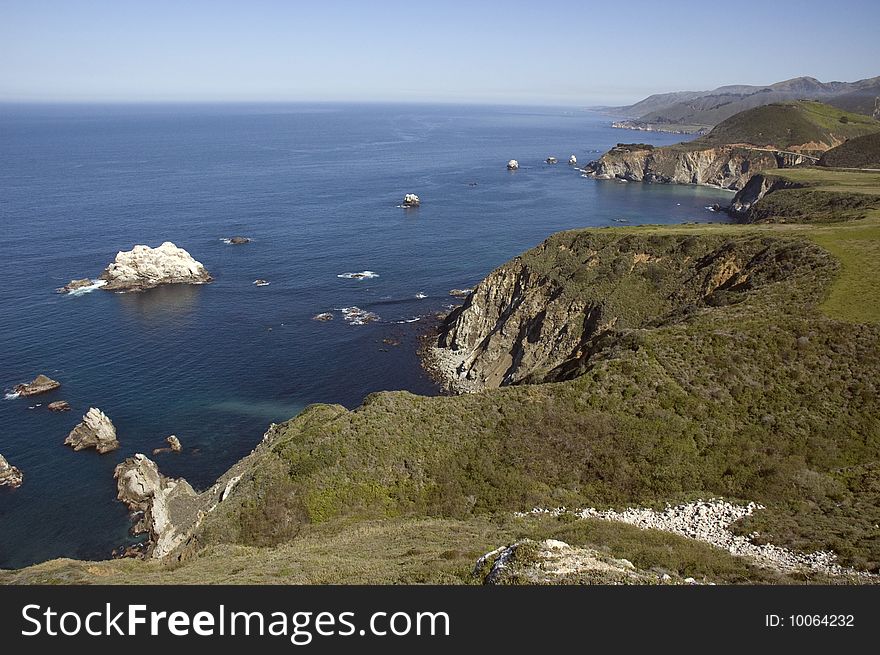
(95, 431)
(59, 406)
(512, 165)
(73, 285)
(143, 267)
(460, 293)
(411, 200)
(169, 506)
(238, 241)
(41, 384)
(572, 160)
(10, 476)
(323, 316)
(551, 160)
(174, 443)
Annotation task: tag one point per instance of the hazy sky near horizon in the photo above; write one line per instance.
(559, 52)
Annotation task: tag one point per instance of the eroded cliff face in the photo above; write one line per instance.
(546, 315)
(728, 167)
(741, 207)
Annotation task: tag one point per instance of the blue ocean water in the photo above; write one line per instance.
(316, 187)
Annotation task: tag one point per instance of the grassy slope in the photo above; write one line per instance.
(761, 396)
(414, 551)
(787, 125)
(860, 152)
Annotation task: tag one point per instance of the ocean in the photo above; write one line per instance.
(317, 188)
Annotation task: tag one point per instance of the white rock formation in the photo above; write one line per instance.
(174, 443)
(411, 200)
(143, 489)
(143, 267)
(572, 160)
(10, 476)
(95, 431)
(512, 165)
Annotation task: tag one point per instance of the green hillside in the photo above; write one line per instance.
(859, 152)
(803, 125)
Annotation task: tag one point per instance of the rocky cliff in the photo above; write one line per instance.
(728, 166)
(547, 314)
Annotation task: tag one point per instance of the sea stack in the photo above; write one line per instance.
(10, 476)
(95, 431)
(512, 165)
(143, 267)
(40, 384)
(411, 200)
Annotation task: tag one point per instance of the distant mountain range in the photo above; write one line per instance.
(690, 111)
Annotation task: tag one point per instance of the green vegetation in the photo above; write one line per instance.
(859, 152)
(812, 126)
(818, 194)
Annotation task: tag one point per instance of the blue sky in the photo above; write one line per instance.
(553, 52)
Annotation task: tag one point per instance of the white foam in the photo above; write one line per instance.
(11, 396)
(358, 316)
(421, 295)
(363, 275)
(409, 320)
(262, 283)
(96, 284)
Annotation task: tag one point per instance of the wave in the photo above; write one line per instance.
(12, 395)
(357, 316)
(409, 320)
(421, 295)
(96, 284)
(363, 275)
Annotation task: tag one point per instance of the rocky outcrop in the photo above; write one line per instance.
(59, 406)
(40, 384)
(728, 167)
(512, 165)
(237, 241)
(10, 476)
(174, 444)
(572, 161)
(95, 431)
(757, 187)
(143, 267)
(546, 315)
(169, 507)
(169, 511)
(411, 200)
(551, 160)
(552, 562)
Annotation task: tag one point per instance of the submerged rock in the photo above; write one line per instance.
(73, 285)
(40, 384)
(167, 504)
(59, 406)
(238, 240)
(10, 476)
(512, 165)
(411, 200)
(143, 267)
(460, 293)
(95, 431)
(323, 316)
(551, 160)
(261, 283)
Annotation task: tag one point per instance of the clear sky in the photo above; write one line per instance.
(532, 52)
